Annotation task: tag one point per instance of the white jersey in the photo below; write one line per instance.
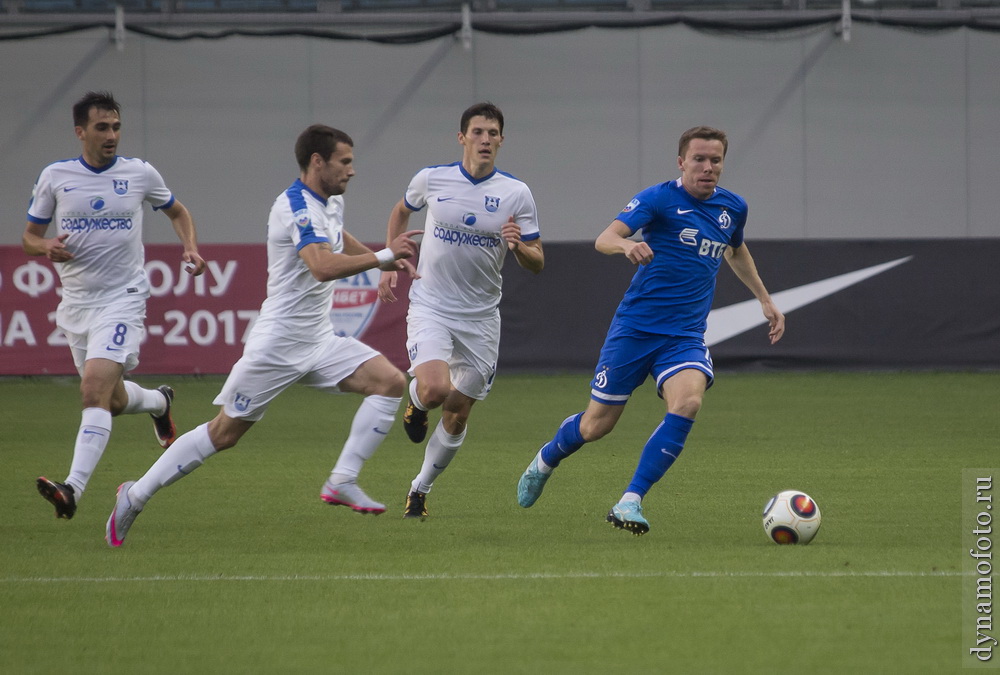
(462, 252)
(297, 305)
(101, 211)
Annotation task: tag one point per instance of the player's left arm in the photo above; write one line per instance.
(743, 266)
(183, 224)
(529, 254)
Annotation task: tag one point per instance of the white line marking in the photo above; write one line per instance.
(484, 577)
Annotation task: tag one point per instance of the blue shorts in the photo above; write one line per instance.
(629, 356)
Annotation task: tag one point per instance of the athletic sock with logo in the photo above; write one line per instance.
(566, 441)
(370, 427)
(185, 455)
(91, 439)
(441, 449)
(143, 400)
(660, 452)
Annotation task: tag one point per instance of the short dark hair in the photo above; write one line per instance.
(484, 109)
(319, 138)
(704, 133)
(102, 100)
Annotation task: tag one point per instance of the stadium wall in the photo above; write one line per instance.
(891, 135)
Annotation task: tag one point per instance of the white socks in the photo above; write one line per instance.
(185, 455)
(441, 449)
(95, 431)
(371, 425)
(143, 400)
(541, 465)
(91, 439)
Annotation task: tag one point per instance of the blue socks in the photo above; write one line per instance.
(566, 441)
(660, 452)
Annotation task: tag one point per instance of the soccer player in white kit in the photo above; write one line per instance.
(293, 339)
(96, 201)
(475, 214)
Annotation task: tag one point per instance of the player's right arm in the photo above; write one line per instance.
(41, 209)
(35, 242)
(615, 239)
(399, 218)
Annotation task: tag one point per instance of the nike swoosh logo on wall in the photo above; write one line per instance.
(727, 322)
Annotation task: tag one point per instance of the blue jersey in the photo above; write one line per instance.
(672, 295)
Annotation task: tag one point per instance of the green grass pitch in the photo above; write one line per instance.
(241, 569)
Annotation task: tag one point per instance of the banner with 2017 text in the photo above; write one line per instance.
(853, 304)
(193, 324)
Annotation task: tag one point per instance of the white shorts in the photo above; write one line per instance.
(112, 332)
(469, 348)
(270, 364)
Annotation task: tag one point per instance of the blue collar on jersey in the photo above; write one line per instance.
(94, 168)
(299, 184)
(471, 178)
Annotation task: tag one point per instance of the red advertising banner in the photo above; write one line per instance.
(193, 324)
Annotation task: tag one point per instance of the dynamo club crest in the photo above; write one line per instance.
(120, 185)
(492, 203)
(355, 301)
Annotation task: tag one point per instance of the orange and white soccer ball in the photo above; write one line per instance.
(791, 517)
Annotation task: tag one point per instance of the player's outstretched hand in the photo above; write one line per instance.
(402, 247)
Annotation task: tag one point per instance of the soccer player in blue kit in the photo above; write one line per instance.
(688, 226)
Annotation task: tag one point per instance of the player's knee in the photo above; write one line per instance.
(433, 394)
(687, 406)
(392, 384)
(92, 395)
